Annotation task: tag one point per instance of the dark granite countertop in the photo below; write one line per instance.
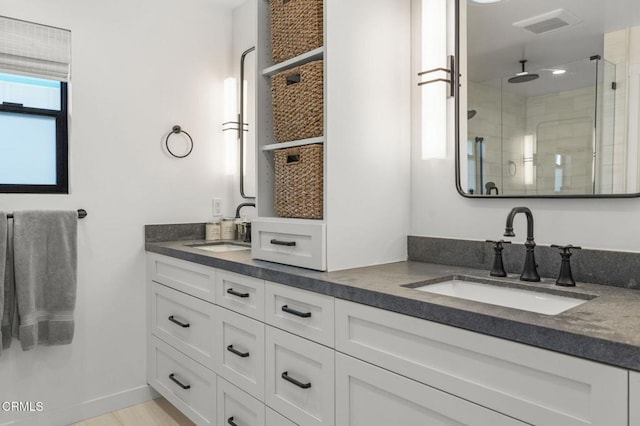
(605, 329)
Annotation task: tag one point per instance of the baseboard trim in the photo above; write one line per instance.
(88, 409)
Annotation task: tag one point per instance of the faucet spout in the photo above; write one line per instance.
(508, 231)
(240, 206)
(530, 269)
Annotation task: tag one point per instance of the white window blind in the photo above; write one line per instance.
(35, 50)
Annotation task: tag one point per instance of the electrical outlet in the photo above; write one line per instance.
(217, 206)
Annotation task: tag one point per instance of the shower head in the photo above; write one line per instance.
(524, 76)
(471, 113)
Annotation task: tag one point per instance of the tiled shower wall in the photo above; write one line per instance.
(562, 125)
(621, 49)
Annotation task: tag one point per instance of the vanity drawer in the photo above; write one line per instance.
(188, 277)
(241, 293)
(183, 382)
(184, 322)
(241, 351)
(302, 312)
(276, 419)
(236, 407)
(533, 385)
(294, 242)
(367, 395)
(634, 398)
(300, 378)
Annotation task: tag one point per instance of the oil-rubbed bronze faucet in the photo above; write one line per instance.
(530, 269)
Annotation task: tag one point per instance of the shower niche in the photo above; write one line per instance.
(551, 105)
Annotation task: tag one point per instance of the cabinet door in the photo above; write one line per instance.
(184, 322)
(634, 398)
(300, 312)
(241, 294)
(276, 419)
(188, 277)
(241, 351)
(300, 378)
(186, 384)
(370, 396)
(237, 408)
(294, 242)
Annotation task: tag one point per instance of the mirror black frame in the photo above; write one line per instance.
(456, 82)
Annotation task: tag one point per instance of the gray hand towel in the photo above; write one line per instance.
(10, 318)
(3, 285)
(45, 267)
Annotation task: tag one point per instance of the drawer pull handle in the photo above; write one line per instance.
(283, 243)
(301, 385)
(180, 323)
(237, 293)
(288, 310)
(231, 349)
(231, 422)
(178, 382)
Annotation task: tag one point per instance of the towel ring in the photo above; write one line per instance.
(176, 130)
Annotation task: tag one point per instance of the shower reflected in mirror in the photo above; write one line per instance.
(552, 98)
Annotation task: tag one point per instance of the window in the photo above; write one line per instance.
(33, 139)
(34, 69)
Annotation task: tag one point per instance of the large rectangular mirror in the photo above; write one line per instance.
(550, 101)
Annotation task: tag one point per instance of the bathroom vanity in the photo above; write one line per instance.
(238, 341)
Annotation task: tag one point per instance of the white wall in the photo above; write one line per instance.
(137, 69)
(438, 210)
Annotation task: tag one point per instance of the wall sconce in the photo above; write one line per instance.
(230, 124)
(434, 97)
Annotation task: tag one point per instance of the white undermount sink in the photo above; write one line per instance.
(517, 298)
(220, 247)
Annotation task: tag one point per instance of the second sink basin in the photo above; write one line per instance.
(501, 295)
(221, 246)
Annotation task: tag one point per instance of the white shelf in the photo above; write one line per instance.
(312, 55)
(291, 144)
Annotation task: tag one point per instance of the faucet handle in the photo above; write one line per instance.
(498, 267)
(565, 278)
(566, 249)
(497, 244)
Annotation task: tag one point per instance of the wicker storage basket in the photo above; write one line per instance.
(296, 27)
(299, 182)
(298, 102)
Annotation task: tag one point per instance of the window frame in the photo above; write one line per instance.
(62, 146)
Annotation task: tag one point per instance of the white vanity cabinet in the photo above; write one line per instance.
(323, 361)
(211, 354)
(534, 385)
(367, 83)
(634, 398)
